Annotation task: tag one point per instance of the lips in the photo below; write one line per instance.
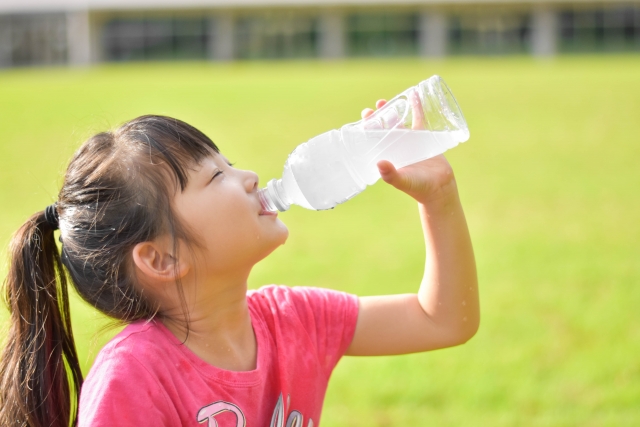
(268, 213)
(264, 211)
(265, 206)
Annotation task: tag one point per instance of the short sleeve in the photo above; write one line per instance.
(120, 391)
(329, 318)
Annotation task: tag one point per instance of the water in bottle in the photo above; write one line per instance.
(333, 167)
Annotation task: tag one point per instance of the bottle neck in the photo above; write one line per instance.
(273, 197)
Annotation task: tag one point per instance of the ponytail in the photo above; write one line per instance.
(40, 376)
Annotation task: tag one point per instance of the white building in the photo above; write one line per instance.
(81, 32)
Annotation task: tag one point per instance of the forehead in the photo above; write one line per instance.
(212, 160)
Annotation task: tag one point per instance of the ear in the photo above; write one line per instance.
(156, 262)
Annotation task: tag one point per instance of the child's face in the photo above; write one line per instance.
(220, 204)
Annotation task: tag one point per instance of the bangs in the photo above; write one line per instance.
(171, 141)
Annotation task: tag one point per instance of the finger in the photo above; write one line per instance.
(366, 113)
(380, 103)
(417, 115)
(388, 172)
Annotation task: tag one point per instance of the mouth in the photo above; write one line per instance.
(266, 208)
(264, 212)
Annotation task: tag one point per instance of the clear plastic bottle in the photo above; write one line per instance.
(331, 168)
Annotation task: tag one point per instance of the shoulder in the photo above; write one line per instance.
(313, 318)
(132, 354)
(300, 298)
(125, 377)
(303, 306)
(136, 342)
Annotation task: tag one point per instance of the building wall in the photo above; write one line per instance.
(83, 37)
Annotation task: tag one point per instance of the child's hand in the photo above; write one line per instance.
(425, 181)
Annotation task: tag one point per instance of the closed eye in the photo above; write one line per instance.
(217, 172)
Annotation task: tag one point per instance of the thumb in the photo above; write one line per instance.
(389, 173)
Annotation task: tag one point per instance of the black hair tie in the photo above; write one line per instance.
(51, 215)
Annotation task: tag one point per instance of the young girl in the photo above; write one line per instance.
(159, 230)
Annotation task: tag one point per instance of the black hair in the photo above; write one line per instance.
(117, 192)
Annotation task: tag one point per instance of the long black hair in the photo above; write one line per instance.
(117, 192)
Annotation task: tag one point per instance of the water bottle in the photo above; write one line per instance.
(421, 122)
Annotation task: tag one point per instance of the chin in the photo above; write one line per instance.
(284, 230)
(283, 237)
(274, 241)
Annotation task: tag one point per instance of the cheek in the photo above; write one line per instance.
(230, 231)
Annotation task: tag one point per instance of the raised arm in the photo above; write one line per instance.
(445, 310)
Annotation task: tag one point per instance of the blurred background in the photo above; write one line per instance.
(549, 179)
(90, 31)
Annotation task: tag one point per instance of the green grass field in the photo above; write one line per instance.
(549, 180)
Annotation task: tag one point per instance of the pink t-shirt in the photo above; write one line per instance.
(145, 376)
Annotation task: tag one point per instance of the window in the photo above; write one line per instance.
(382, 34)
(484, 33)
(155, 38)
(276, 35)
(33, 39)
(608, 30)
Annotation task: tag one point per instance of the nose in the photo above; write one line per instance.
(251, 181)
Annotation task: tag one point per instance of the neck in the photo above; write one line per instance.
(219, 327)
